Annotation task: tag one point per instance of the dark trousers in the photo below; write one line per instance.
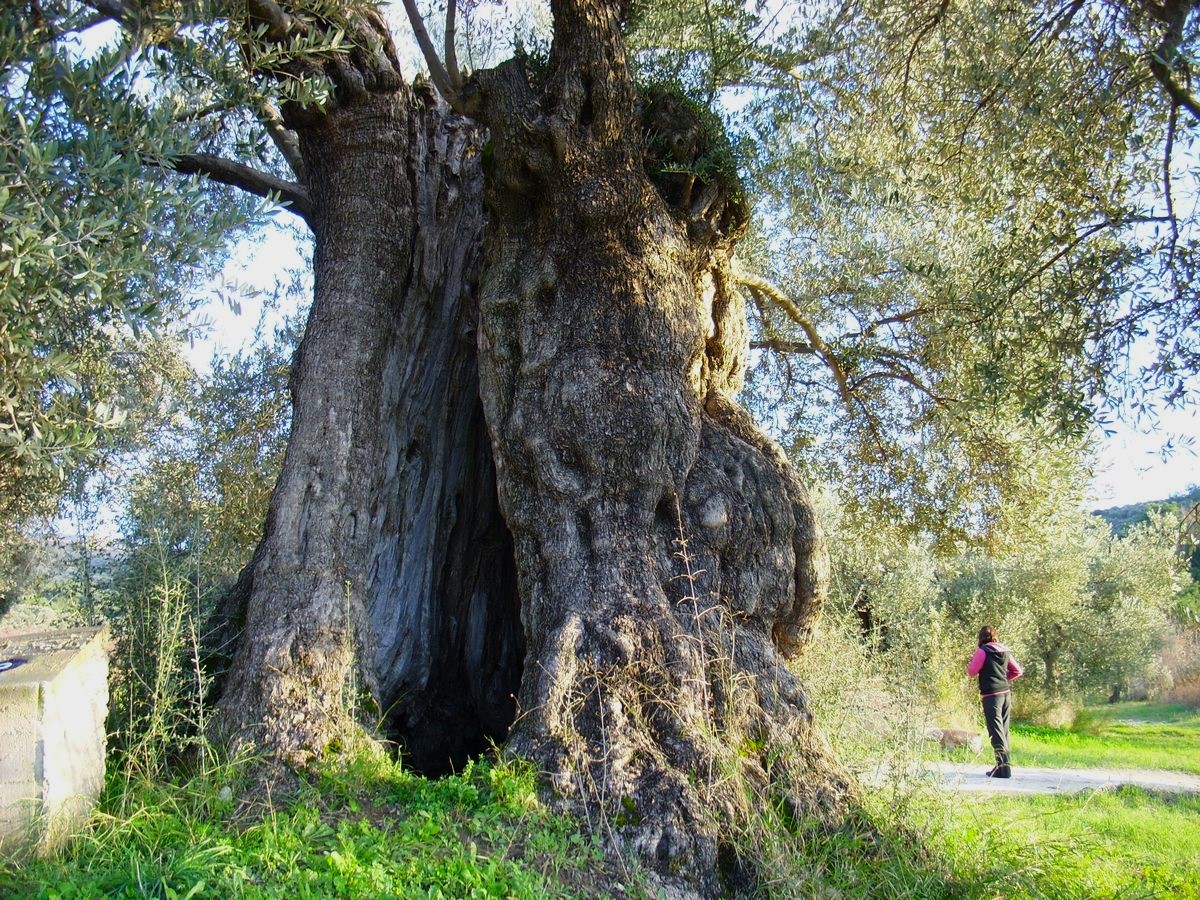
(997, 710)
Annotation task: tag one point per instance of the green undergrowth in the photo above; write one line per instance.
(366, 828)
(1120, 735)
(926, 844)
(1124, 843)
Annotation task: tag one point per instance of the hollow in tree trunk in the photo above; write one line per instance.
(385, 575)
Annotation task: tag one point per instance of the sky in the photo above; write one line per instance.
(1132, 467)
(249, 276)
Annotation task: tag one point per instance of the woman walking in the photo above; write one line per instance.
(996, 668)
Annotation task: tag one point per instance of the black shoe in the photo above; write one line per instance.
(1001, 772)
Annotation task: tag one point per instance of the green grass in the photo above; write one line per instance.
(1120, 735)
(367, 829)
(1107, 844)
(1125, 843)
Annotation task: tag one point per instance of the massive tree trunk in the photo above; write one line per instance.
(385, 575)
(667, 557)
(665, 550)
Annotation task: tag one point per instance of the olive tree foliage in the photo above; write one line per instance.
(1086, 613)
(101, 248)
(200, 493)
(968, 216)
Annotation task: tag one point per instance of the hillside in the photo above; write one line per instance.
(1121, 518)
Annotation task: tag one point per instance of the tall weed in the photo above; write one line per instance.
(157, 683)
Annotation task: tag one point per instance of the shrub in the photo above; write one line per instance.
(1038, 708)
(1181, 658)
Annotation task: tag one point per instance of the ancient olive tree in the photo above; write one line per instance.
(520, 500)
(639, 558)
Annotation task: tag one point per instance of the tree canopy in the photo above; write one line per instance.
(102, 251)
(975, 226)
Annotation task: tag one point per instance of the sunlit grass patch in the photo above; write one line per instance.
(1123, 735)
(1096, 844)
(366, 828)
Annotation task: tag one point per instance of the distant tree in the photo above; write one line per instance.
(1133, 587)
(1087, 608)
(201, 490)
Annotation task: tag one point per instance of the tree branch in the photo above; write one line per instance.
(1079, 239)
(1174, 15)
(903, 373)
(452, 69)
(201, 112)
(121, 13)
(763, 288)
(294, 196)
(933, 22)
(441, 78)
(1168, 193)
(284, 138)
(1179, 95)
(781, 346)
(279, 23)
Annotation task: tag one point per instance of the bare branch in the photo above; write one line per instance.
(261, 184)
(452, 69)
(764, 288)
(782, 346)
(441, 78)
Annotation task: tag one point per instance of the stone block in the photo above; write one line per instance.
(53, 708)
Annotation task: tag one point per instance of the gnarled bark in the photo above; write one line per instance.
(667, 555)
(385, 564)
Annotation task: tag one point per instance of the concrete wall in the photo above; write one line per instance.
(52, 735)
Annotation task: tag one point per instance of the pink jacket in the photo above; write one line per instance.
(1014, 668)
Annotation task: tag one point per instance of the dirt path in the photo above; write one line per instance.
(970, 778)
